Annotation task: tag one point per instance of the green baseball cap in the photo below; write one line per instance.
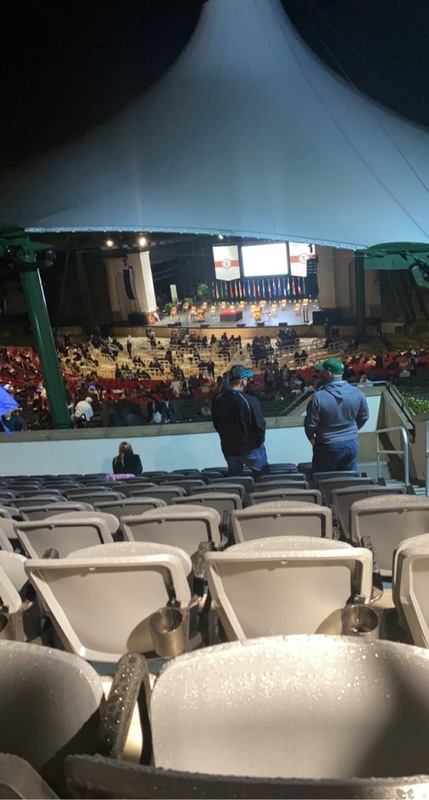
(332, 365)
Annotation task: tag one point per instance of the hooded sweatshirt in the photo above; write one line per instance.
(336, 412)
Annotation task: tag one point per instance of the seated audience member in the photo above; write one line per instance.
(83, 412)
(206, 410)
(127, 462)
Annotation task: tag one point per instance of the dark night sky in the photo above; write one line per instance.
(67, 66)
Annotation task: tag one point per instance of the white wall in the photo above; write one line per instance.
(193, 450)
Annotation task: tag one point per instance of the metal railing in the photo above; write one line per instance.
(427, 458)
(404, 452)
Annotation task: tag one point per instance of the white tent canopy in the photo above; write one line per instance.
(249, 134)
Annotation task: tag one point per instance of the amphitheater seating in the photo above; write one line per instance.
(61, 534)
(281, 518)
(184, 526)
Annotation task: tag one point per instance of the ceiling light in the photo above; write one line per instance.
(110, 243)
(220, 236)
(142, 241)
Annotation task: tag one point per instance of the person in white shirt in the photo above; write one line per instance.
(83, 409)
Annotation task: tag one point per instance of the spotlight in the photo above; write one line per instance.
(220, 236)
(142, 241)
(110, 243)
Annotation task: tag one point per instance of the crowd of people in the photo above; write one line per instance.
(148, 383)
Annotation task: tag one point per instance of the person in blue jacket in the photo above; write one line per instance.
(335, 415)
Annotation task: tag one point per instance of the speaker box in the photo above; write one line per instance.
(204, 325)
(283, 324)
(260, 324)
(137, 318)
(241, 324)
(130, 289)
(333, 315)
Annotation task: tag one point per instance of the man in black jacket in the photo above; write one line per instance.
(238, 419)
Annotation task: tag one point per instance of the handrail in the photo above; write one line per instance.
(427, 458)
(404, 451)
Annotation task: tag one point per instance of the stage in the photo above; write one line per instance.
(233, 315)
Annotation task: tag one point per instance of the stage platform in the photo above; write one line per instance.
(293, 314)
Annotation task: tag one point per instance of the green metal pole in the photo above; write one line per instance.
(360, 298)
(42, 331)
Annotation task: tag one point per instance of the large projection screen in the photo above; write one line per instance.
(264, 259)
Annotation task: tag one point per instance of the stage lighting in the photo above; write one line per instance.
(142, 241)
(110, 243)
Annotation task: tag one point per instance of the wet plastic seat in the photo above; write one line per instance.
(291, 495)
(184, 526)
(100, 606)
(61, 534)
(388, 521)
(342, 500)
(302, 707)
(280, 590)
(281, 518)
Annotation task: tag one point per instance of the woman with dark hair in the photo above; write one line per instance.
(127, 461)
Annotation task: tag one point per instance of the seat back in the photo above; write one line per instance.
(37, 511)
(296, 707)
(224, 487)
(281, 519)
(410, 586)
(130, 549)
(61, 534)
(129, 505)
(222, 502)
(49, 706)
(246, 481)
(323, 476)
(388, 521)
(101, 607)
(280, 476)
(327, 485)
(166, 492)
(291, 495)
(279, 591)
(343, 499)
(281, 483)
(181, 526)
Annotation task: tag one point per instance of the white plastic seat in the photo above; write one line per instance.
(5, 543)
(281, 519)
(321, 476)
(388, 521)
(224, 488)
(129, 549)
(186, 483)
(5, 512)
(291, 495)
(342, 500)
(327, 485)
(19, 779)
(222, 502)
(281, 483)
(129, 505)
(41, 511)
(276, 590)
(185, 526)
(13, 565)
(315, 707)
(246, 481)
(277, 475)
(100, 516)
(39, 498)
(281, 543)
(165, 492)
(100, 606)
(410, 587)
(61, 534)
(49, 706)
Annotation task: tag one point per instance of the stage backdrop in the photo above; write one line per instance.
(227, 265)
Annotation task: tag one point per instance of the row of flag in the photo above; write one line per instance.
(260, 288)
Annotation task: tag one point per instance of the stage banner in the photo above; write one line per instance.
(226, 262)
(299, 254)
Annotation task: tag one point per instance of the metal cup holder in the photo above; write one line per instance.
(360, 620)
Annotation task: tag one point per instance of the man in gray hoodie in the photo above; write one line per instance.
(335, 414)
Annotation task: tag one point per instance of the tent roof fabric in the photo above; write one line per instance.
(247, 134)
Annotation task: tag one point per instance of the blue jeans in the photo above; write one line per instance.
(335, 456)
(255, 459)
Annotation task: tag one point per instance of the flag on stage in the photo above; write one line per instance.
(284, 288)
(299, 287)
(274, 289)
(231, 291)
(279, 288)
(293, 287)
(249, 290)
(299, 253)
(304, 287)
(258, 287)
(217, 291)
(288, 287)
(269, 288)
(227, 265)
(253, 288)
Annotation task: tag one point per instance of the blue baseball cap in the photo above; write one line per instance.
(238, 371)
